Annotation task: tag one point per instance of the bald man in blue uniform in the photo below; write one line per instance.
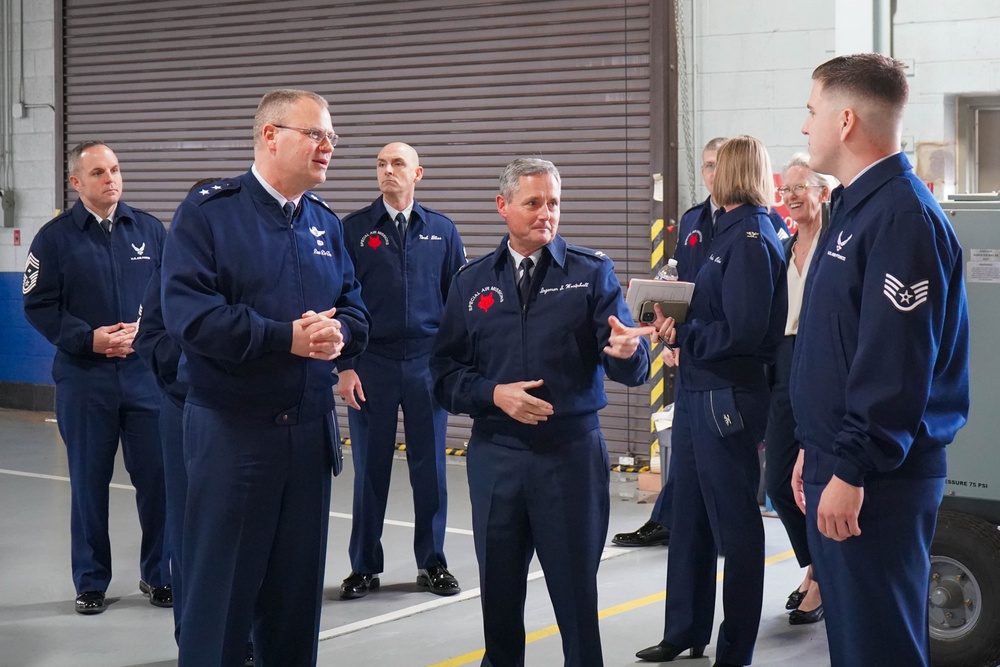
(404, 257)
(527, 335)
(85, 275)
(879, 382)
(259, 291)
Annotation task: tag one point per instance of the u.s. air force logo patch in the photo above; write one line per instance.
(905, 297)
(31, 269)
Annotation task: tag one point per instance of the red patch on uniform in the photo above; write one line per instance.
(486, 301)
(692, 240)
(374, 241)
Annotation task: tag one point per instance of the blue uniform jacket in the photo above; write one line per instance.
(404, 288)
(880, 373)
(235, 277)
(487, 339)
(694, 237)
(738, 309)
(79, 278)
(160, 352)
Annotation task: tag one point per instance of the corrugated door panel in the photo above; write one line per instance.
(172, 86)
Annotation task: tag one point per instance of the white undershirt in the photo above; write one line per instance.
(797, 286)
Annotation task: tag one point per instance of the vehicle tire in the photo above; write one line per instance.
(964, 594)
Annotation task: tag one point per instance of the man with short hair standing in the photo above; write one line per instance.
(528, 333)
(259, 291)
(83, 283)
(404, 257)
(879, 382)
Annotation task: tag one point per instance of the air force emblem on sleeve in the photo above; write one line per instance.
(30, 274)
(905, 297)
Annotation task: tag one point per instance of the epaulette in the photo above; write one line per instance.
(319, 200)
(358, 213)
(436, 212)
(478, 260)
(211, 190)
(587, 252)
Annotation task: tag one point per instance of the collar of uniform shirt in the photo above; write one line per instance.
(869, 167)
(99, 218)
(274, 193)
(517, 257)
(392, 212)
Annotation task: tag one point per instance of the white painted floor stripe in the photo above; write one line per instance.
(609, 553)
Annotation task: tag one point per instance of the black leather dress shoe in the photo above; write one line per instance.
(799, 617)
(795, 599)
(725, 664)
(651, 534)
(439, 580)
(666, 652)
(159, 596)
(358, 585)
(90, 602)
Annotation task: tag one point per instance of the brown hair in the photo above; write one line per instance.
(743, 173)
(868, 79)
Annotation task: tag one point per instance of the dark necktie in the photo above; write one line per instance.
(524, 281)
(401, 225)
(106, 225)
(289, 209)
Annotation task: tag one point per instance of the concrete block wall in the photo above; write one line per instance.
(750, 67)
(25, 356)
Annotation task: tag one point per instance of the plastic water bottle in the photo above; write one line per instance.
(669, 271)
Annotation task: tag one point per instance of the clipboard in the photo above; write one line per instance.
(674, 297)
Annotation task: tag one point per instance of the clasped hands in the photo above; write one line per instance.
(115, 340)
(317, 335)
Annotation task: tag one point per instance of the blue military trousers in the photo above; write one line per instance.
(389, 384)
(549, 498)
(98, 404)
(715, 513)
(875, 584)
(255, 536)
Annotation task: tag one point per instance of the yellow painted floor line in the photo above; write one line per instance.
(475, 656)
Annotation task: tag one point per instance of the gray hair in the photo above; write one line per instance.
(275, 105)
(714, 143)
(802, 160)
(510, 177)
(74, 155)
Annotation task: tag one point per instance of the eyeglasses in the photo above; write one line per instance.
(708, 166)
(316, 135)
(799, 189)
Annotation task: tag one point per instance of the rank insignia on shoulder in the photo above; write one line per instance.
(753, 235)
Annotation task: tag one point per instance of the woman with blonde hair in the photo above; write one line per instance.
(733, 327)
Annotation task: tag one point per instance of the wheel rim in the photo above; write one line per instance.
(955, 599)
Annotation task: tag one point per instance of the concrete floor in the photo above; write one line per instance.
(399, 626)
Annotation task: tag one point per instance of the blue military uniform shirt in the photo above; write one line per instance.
(404, 286)
(79, 278)
(236, 274)
(880, 373)
(487, 338)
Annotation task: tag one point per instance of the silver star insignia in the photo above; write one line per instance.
(216, 187)
(203, 192)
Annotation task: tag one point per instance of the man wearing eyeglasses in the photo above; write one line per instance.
(694, 239)
(260, 293)
(404, 256)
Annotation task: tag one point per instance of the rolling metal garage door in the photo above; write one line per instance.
(172, 87)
